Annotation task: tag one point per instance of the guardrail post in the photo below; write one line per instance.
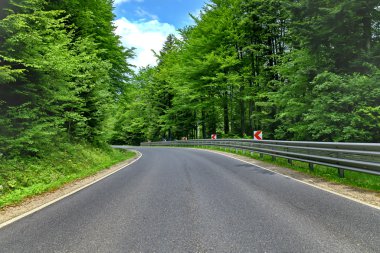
(362, 157)
(341, 173)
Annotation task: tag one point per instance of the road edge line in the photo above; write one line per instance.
(312, 185)
(19, 217)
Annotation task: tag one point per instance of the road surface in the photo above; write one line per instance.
(182, 200)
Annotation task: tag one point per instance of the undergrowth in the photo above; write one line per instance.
(23, 177)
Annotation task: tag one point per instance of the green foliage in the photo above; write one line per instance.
(298, 70)
(341, 34)
(34, 50)
(93, 18)
(26, 177)
(347, 103)
(61, 70)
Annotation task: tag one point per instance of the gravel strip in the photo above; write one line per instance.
(366, 196)
(31, 203)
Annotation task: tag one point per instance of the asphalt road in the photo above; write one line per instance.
(182, 200)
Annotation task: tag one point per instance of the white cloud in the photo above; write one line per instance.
(116, 2)
(145, 36)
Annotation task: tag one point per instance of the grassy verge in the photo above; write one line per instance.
(25, 177)
(352, 178)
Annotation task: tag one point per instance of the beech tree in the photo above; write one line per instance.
(298, 70)
(59, 75)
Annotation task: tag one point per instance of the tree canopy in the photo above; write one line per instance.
(298, 70)
(61, 71)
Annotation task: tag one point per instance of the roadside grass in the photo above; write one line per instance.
(351, 178)
(21, 178)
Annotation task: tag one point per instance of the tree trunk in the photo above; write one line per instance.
(367, 31)
(204, 133)
(225, 113)
(242, 111)
(250, 113)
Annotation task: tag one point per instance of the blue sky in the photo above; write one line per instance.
(145, 24)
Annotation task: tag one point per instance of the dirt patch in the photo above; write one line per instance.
(35, 202)
(365, 196)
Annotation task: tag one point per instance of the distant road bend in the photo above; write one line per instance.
(183, 200)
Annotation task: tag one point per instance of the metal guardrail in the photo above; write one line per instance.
(361, 157)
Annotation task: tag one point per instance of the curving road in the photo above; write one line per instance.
(181, 200)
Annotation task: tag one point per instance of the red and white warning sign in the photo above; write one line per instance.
(258, 135)
(213, 137)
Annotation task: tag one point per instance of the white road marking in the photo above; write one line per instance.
(66, 195)
(315, 186)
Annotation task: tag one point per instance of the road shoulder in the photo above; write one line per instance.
(366, 197)
(12, 213)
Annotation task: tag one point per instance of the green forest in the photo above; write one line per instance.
(295, 69)
(303, 70)
(62, 72)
